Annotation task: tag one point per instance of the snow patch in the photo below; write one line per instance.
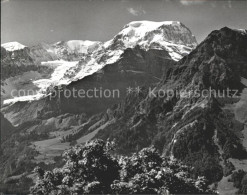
(24, 99)
(13, 46)
(57, 79)
(58, 76)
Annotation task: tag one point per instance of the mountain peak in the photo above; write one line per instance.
(150, 24)
(227, 29)
(218, 62)
(171, 36)
(13, 46)
(74, 46)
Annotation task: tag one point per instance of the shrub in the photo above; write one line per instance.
(93, 169)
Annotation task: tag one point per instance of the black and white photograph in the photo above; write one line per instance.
(123, 97)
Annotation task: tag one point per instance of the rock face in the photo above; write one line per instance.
(135, 68)
(6, 130)
(17, 62)
(13, 61)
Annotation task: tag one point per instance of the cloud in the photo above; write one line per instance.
(136, 12)
(4, 1)
(192, 2)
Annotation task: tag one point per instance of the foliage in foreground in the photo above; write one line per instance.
(93, 169)
(239, 179)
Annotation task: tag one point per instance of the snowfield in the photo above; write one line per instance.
(57, 77)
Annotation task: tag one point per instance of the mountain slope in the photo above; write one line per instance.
(6, 130)
(198, 129)
(136, 67)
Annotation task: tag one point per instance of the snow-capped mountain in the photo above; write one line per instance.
(79, 46)
(72, 49)
(172, 36)
(66, 50)
(77, 59)
(13, 46)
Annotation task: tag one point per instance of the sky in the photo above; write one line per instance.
(33, 21)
